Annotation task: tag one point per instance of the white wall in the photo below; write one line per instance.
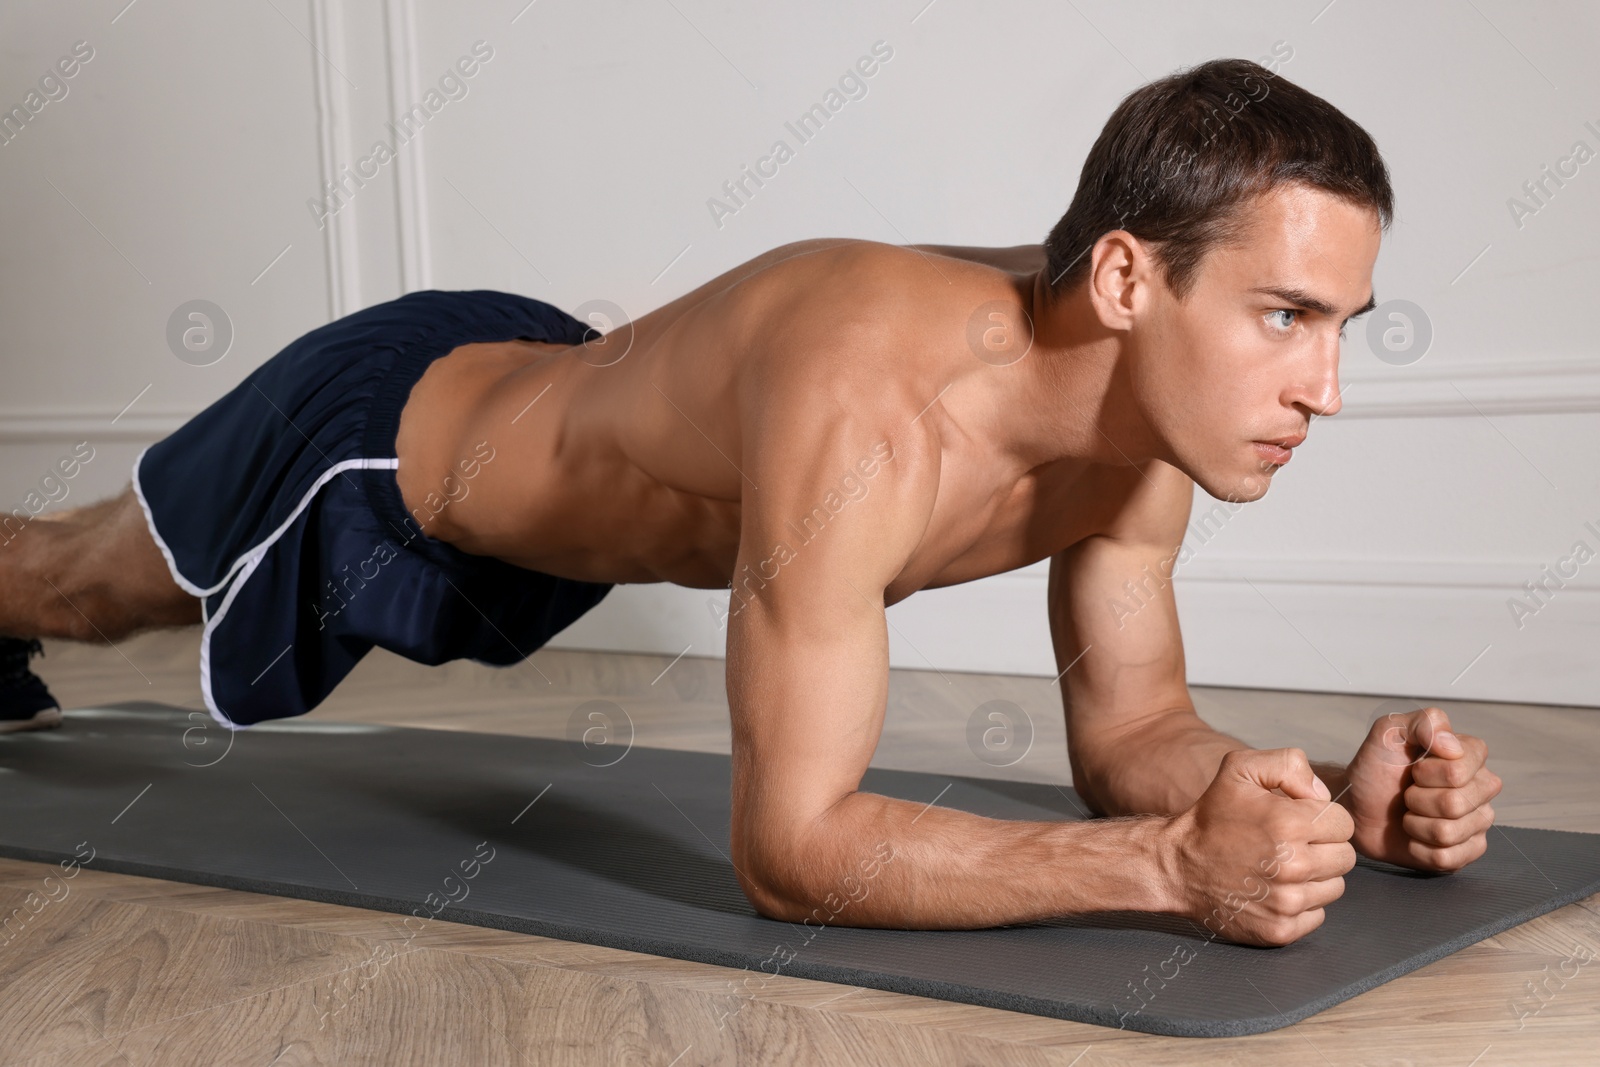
(579, 164)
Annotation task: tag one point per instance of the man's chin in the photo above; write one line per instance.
(1239, 489)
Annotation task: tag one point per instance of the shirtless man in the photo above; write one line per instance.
(827, 429)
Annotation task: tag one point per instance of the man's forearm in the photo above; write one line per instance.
(1164, 767)
(880, 862)
(1160, 768)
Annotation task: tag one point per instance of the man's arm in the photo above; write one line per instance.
(807, 684)
(1135, 742)
(1417, 794)
(842, 504)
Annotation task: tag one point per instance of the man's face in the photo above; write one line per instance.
(1234, 372)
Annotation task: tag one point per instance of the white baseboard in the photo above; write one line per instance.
(1439, 642)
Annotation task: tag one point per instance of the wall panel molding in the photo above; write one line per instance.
(1510, 387)
(47, 425)
(330, 93)
(411, 186)
(1504, 387)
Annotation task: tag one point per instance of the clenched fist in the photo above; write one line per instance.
(1263, 851)
(1419, 793)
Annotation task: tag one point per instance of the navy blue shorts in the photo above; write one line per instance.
(278, 507)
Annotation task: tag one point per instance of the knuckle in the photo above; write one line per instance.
(1287, 901)
(1427, 857)
(1300, 899)
(1459, 855)
(1420, 829)
(1346, 823)
(1292, 857)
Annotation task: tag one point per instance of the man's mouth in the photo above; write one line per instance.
(1278, 450)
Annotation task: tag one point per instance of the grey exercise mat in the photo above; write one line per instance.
(529, 835)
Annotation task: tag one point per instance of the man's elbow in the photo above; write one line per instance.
(1089, 780)
(768, 876)
(770, 901)
(797, 877)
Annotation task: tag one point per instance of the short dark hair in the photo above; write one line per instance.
(1180, 156)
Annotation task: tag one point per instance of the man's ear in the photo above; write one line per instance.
(1120, 270)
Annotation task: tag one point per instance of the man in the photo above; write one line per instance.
(827, 429)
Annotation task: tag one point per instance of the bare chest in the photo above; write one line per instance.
(982, 526)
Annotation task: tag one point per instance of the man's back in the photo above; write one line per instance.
(625, 459)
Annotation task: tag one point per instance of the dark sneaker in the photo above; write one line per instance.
(25, 703)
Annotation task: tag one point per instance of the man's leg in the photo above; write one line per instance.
(89, 574)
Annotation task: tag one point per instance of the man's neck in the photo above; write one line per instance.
(1073, 398)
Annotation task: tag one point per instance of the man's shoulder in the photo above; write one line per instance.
(864, 309)
(847, 341)
(870, 281)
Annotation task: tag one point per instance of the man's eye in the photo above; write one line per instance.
(1282, 318)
